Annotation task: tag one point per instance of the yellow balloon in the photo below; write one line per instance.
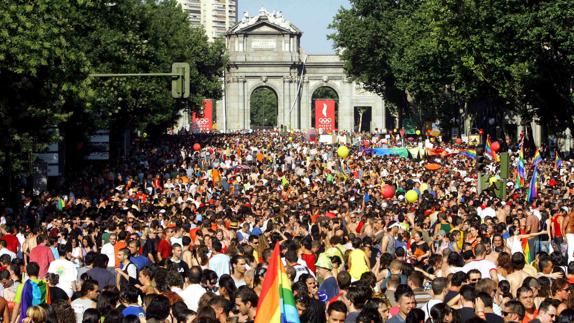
(418, 132)
(412, 196)
(424, 187)
(290, 138)
(343, 151)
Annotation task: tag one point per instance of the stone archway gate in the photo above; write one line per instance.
(265, 51)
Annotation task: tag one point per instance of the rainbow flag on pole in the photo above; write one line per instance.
(276, 302)
(526, 248)
(557, 161)
(533, 189)
(537, 158)
(490, 153)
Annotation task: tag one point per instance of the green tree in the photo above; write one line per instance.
(40, 72)
(263, 107)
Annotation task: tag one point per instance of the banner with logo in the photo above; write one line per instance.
(205, 122)
(325, 115)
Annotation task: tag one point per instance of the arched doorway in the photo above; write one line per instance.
(325, 93)
(264, 108)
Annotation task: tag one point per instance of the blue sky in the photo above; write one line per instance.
(312, 17)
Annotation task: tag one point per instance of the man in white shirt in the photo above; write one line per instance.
(193, 292)
(219, 262)
(439, 290)
(65, 269)
(108, 250)
(486, 267)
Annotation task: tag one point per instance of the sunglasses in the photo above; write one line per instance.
(506, 313)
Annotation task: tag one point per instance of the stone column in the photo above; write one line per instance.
(305, 104)
(346, 111)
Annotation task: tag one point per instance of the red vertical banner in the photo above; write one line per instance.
(204, 123)
(325, 115)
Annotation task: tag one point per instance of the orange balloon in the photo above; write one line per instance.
(432, 166)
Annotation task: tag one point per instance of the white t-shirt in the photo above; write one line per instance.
(428, 306)
(67, 271)
(108, 250)
(484, 266)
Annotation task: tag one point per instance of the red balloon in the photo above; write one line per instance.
(366, 143)
(196, 147)
(388, 191)
(495, 146)
(458, 141)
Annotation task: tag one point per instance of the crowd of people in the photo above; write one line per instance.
(183, 231)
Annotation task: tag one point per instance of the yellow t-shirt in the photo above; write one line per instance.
(358, 263)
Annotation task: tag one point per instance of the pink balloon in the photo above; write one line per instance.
(196, 147)
(388, 191)
(366, 143)
(458, 141)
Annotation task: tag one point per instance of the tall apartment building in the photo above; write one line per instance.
(216, 16)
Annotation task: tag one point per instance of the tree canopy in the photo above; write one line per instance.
(49, 48)
(430, 58)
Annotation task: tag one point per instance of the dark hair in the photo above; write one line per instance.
(337, 306)
(566, 316)
(33, 269)
(439, 311)
(458, 278)
(131, 294)
(438, 285)
(226, 282)
(247, 294)
(91, 315)
(158, 308)
(516, 307)
(416, 278)
(90, 257)
(522, 290)
(485, 298)
(416, 315)
(195, 274)
(403, 290)
(107, 301)
(101, 261)
(130, 319)
(88, 286)
(368, 315)
(518, 261)
(467, 293)
(344, 280)
(358, 295)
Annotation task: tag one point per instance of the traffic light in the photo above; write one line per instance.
(180, 82)
(480, 160)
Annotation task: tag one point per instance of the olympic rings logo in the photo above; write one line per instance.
(202, 121)
(325, 121)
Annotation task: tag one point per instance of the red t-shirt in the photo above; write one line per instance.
(11, 242)
(164, 249)
(310, 260)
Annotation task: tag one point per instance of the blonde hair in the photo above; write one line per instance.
(36, 314)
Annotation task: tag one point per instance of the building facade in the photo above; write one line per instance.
(216, 16)
(264, 51)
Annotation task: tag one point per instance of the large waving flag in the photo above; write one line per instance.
(533, 189)
(537, 158)
(276, 301)
(521, 170)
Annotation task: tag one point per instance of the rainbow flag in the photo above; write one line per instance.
(470, 153)
(537, 158)
(276, 302)
(61, 204)
(533, 189)
(557, 161)
(521, 170)
(527, 254)
(490, 153)
(34, 292)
